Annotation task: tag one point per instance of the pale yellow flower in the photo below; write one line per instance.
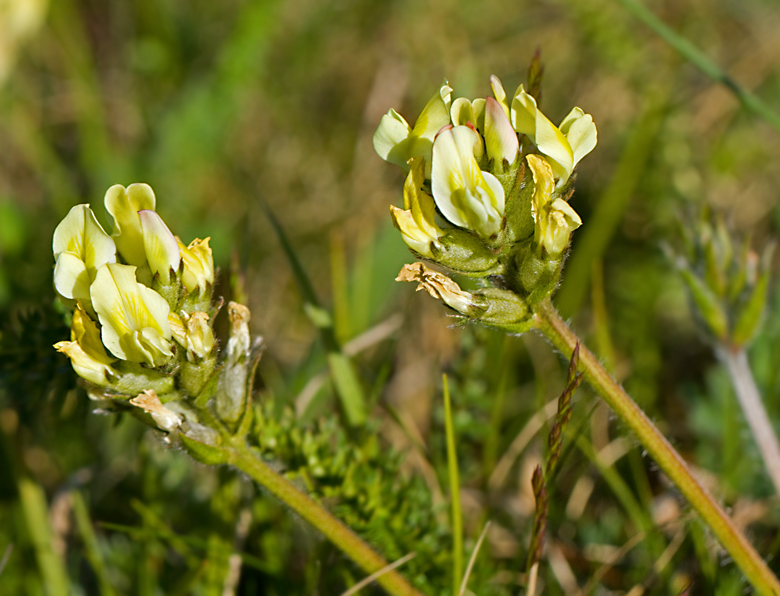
(397, 142)
(554, 219)
(85, 350)
(198, 275)
(134, 317)
(563, 145)
(464, 111)
(466, 196)
(80, 247)
(416, 221)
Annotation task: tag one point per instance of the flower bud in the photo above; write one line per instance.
(193, 332)
(198, 274)
(232, 392)
(500, 138)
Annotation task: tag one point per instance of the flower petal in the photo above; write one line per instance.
(160, 246)
(500, 138)
(134, 317)
(396, 143)
(581, 133)
(124, 204)
(554, 145)
(80, 233)
(499, 93)
(435, 114)
(85, 350)
(523, 113)
(393, 130)
(467, 197)
(71, 278)
(80, 246)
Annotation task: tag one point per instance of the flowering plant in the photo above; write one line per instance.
(142, 325)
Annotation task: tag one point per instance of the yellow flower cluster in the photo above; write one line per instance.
(464, 157)
(134, 292)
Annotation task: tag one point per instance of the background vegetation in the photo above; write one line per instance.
(226, 107)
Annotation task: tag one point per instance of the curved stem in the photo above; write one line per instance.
(736, 363)
(244, 458)
(752, 565)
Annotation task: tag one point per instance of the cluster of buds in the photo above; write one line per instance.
(728, 286)
(486, 195)
(143, 311)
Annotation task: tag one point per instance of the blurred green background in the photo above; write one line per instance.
(226, 107)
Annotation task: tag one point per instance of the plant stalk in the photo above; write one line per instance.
(244, 458)
(737, 364)
(549, 322)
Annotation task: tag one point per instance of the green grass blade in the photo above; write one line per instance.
(457, 514)
(696, 57)
(36, 517)
(91, 545)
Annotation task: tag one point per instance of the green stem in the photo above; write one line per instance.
(752, 565)
(244, 458)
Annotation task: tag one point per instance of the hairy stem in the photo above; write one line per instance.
(245, 459)
(737, 364)
(752, 565)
